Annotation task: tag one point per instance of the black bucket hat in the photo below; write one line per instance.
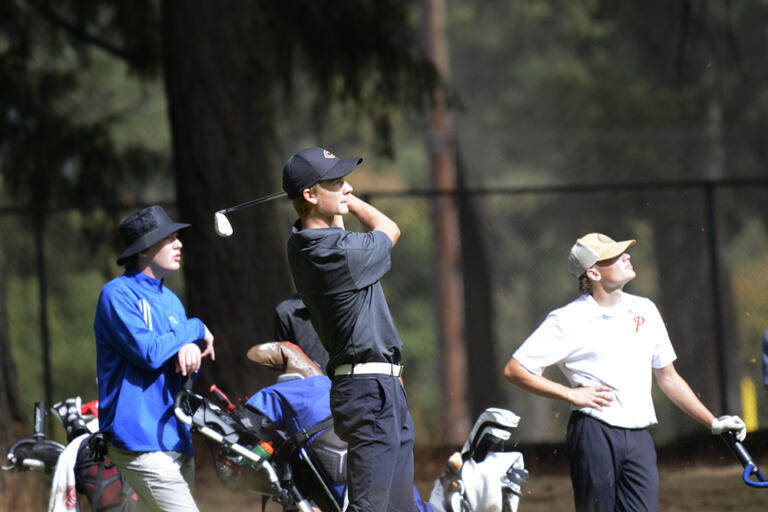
(311, 165)
(144, 229)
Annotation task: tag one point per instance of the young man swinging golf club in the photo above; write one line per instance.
(337, 272)
(608, 343)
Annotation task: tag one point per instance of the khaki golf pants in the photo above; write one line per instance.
(163, 481)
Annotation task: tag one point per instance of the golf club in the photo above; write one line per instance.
(221, 223)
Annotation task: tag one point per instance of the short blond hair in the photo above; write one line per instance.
(301, 205)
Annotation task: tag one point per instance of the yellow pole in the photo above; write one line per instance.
(749, 403)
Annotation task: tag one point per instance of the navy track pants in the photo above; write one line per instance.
(612, 468)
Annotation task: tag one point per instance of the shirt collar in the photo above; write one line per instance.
(296, 229)
(144, 280)
(597, 311)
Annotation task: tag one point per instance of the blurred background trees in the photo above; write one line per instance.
(640, 119)
(592, 95)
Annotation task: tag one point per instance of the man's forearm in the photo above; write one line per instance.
(681, 394)
(515, 373)
(372, 219)
(596, 397)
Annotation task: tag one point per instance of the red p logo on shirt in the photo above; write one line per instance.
(639, 320)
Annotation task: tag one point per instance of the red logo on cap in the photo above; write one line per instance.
(328, 154)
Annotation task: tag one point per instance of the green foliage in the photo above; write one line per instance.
(73, 281)
(82, 122)
(363, 54)
(551, 92)
(605, 93)
(56, 130)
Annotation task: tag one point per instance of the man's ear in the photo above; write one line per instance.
(309, 196)
(593, 274)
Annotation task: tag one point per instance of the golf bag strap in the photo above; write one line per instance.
(303, 435)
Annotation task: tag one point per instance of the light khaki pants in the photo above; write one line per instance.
(163, 481)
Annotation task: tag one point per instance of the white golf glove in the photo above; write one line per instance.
(726, 423)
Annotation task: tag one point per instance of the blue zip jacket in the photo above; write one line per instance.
(140, 325)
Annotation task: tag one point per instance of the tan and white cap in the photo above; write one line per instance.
(592, 248)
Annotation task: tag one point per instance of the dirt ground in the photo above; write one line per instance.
(704, 481)
(700, 488)
(698, 475)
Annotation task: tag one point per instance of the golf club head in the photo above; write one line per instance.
(221, 225)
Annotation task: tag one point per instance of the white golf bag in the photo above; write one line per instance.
(485, 476)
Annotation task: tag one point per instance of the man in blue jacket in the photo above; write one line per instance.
(145, 344)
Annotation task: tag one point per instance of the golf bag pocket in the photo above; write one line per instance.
(330, 453)
(302, 410)
(99, 479)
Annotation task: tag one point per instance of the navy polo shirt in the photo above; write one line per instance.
(337, 274)
(293, 322)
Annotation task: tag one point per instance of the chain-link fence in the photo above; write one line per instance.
(702, 256)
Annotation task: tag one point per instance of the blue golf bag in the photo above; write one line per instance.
(281, 444)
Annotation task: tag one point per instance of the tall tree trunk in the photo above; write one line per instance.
(219, 86)
(17, 490)
(448, 266)
(482, 365)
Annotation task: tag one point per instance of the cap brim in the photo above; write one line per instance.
(616, 249)
(147, 240)
(341, 169)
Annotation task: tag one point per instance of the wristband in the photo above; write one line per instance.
(569, 396)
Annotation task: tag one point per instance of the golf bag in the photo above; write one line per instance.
(487, 474)
(80, 467)
(280, 443)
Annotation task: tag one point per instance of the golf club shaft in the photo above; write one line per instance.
(253, 201)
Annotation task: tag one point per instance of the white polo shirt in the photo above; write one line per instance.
(615, 346)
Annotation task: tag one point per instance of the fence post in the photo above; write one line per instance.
(717, 308)
(38, 220)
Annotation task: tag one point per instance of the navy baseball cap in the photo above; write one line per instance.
(311, 165)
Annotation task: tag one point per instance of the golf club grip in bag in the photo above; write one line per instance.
(187, 384)
(39, 426)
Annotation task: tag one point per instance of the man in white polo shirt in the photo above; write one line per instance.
(608, 343)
